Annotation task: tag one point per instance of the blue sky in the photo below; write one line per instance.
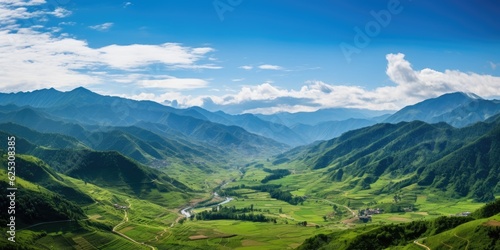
(254, 55)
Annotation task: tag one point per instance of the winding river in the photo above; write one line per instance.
(187, 214)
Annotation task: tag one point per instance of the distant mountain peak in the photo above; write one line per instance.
(458, 94)
(49, 90)
(472, 95)
(81, 90)
(457, 108)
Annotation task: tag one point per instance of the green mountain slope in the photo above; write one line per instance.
(36, 171)
(103, 168)
(460, 162)
(111, 170)
(42, 195)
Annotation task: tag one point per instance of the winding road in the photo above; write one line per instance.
(462, 238)
(420, 244)
(125, 220)
(346, 207)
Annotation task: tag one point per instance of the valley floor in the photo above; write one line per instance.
(142, 224)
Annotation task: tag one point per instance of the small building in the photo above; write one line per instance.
(464, 214)
(119, 206)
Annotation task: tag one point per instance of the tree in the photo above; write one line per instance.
(324, 218)
(181, 221)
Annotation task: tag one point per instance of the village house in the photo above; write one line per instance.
(464, 214)
(119, 206)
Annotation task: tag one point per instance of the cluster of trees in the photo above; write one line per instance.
(488, 210)
(232, 213)
(277, 193)
(280, 161)
(275, 174)
(302, 223)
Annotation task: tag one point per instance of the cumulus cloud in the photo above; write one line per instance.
(102, 27)
(270, 67)
(246, 67)
(427, 82)
(37, 57)
(60, 12)
(409, 86)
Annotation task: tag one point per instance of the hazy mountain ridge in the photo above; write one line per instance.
(322, 115)
(254, 124)
(87, 108)
(457, 109)
(329, 129)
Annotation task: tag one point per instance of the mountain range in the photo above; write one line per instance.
(82, 155)
(437, 133)
(83, 107)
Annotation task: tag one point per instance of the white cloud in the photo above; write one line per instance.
(281, 108)
(34, 58)
(246, 67)
(126, 4)
(61, 12)
(410, 86)
(23, 3)
(270, 67)
(137, 55)
(13, 10)
(195, 66)
(102, 27)
(68, 23)
(430, 83)
(174, 83)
